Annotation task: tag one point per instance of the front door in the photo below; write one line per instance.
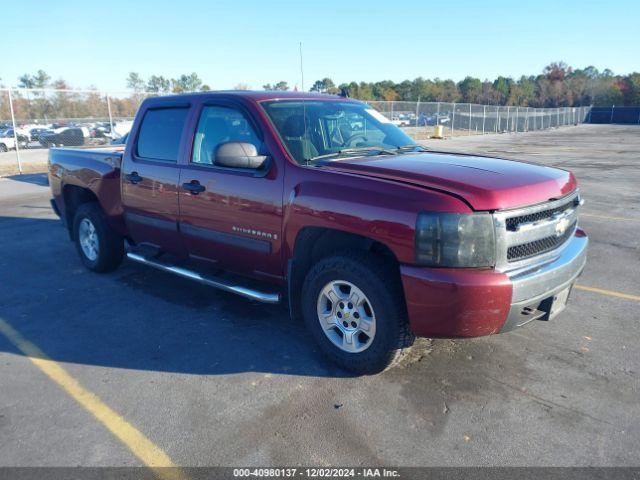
(231, 216)
(150, 176)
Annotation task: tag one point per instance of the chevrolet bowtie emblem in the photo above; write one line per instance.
(346, 315)
(562, 226)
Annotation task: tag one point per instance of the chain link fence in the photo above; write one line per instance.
(613, 114)
(420, 119)
(42, 118)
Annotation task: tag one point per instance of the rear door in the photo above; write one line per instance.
(235, 219)
(150, 175)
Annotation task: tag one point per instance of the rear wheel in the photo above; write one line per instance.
(100, 248)
(3, 147)
(354, 306)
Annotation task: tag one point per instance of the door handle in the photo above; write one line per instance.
(194, 187)
(133, 177)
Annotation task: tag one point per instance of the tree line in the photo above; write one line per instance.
(45, 107)
(162, 85)
(558, 85)
(60, 106)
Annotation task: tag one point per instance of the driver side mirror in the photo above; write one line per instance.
(239, 155)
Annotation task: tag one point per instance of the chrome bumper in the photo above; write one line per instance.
(535, 289)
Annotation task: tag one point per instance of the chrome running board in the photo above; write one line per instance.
(218, 283)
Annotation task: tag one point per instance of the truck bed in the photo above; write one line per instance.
(86, 157)
(96, 169)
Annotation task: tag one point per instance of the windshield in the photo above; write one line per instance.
(330, 130)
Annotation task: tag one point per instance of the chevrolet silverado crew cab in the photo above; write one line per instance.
(322, 202)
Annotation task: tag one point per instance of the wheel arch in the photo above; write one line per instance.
(73, 197)
(315, 243)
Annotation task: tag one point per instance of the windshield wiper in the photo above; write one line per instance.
(353, 151)
(408, 148)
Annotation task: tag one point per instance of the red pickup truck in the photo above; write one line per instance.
(322, 201)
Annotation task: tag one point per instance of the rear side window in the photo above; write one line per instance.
(160, 132)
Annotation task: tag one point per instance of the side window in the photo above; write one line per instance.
(219, 125)
(160, 132)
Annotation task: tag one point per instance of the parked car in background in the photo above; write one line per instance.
(101, 130)
(401, 120)
(433, 119)
(23, 141)
(72, 137)
(8, 140)
(121, 128)
(104, 130)
(34, 133)
(83, 127)
(120, 140)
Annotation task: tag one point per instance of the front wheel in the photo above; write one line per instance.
(100, 248)
(353, 305)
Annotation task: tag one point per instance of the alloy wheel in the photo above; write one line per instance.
(346, 316)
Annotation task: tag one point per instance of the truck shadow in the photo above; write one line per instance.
(142, 319)
(137, 317)
(40, 179)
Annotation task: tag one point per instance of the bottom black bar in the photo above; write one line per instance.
(430, 473)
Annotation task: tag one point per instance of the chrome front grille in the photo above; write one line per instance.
(528, 235)
(514, 222)
(537, 247)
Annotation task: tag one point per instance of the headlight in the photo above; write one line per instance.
(455, 240)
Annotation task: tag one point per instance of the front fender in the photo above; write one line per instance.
(384, 211)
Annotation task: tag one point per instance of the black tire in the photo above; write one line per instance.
(110, 244)
(3, 147)
(380, 283)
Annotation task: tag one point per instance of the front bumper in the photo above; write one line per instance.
(471, 302)
(535, 290)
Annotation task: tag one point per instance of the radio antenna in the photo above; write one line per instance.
(301, 70)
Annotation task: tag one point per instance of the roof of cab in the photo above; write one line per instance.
(255, 95)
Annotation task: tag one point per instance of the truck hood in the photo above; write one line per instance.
(485, 183)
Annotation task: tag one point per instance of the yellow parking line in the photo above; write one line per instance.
(607, 217)
(611, 293)
(149, 453)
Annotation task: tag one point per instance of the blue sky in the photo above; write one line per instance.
(254, 42)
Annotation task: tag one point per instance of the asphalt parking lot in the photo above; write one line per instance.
(211, 379)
